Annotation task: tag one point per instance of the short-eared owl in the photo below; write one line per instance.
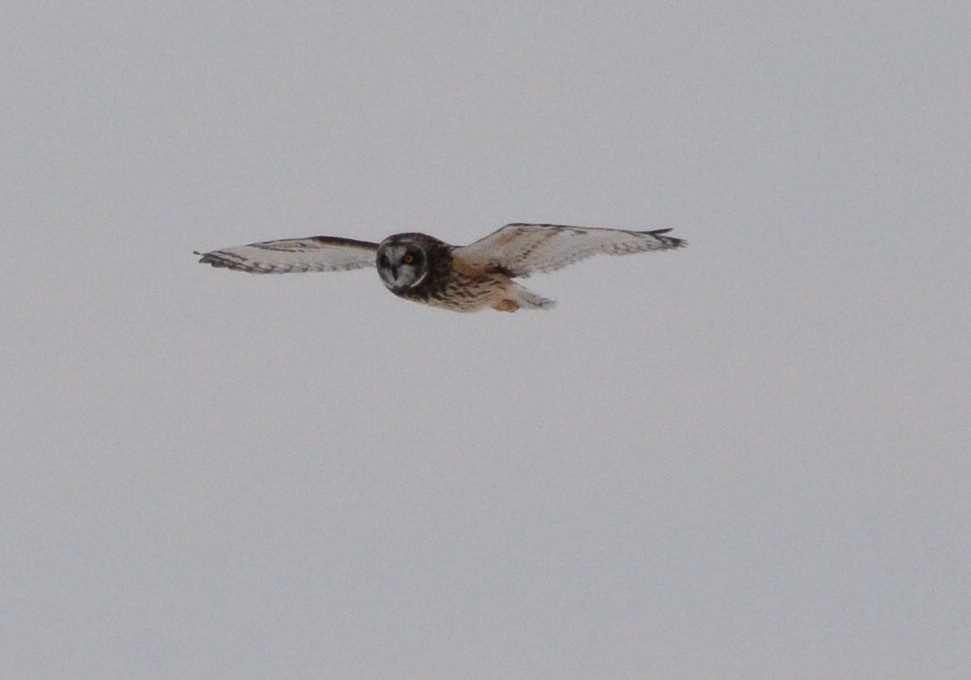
(460, 278)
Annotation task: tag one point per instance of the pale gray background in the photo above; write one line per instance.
(745, 459)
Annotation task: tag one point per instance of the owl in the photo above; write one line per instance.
(470, 278)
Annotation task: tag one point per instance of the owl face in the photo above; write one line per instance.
(402, 262)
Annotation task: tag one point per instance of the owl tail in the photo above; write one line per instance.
(518, 297)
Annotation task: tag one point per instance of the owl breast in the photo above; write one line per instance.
(459, 292)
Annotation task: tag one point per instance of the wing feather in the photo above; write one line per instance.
(311, 254)
(523, 249)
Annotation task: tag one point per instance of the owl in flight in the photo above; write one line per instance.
(460, 278)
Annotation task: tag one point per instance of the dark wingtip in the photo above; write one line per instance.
(671, 241)
(214, 259)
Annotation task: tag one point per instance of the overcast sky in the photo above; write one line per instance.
(748, 458)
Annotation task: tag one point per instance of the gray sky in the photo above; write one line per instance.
(749, 458)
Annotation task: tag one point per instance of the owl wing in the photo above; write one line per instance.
(311, 254)
(524, 249)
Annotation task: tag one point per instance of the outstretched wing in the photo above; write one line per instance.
(524, 249)
(312, 254)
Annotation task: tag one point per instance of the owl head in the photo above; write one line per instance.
(405, 260)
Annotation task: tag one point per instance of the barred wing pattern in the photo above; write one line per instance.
(311, 254)
(523, 249)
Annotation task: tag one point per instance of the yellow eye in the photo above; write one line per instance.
(408, 259)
